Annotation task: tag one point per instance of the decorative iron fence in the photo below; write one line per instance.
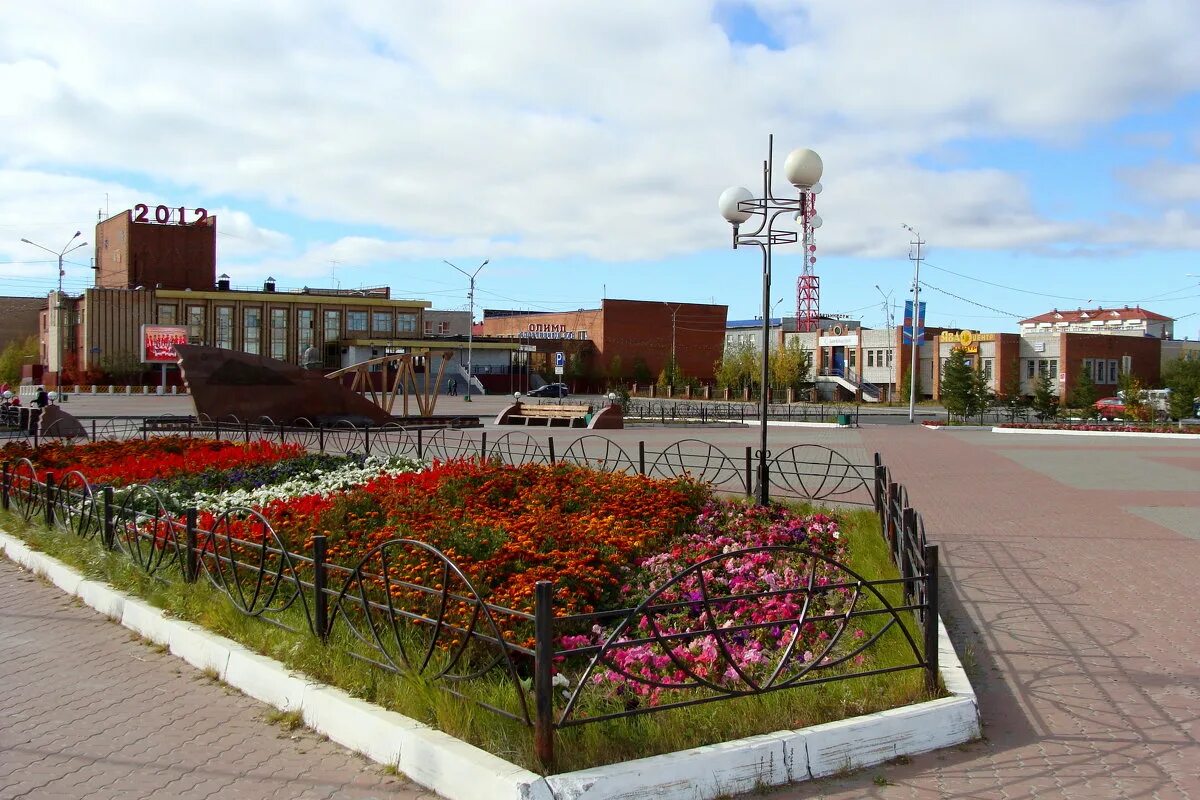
(715, 413)
(406, 607)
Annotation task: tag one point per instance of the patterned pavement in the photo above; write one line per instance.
(1070, 560)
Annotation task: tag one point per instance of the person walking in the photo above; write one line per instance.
(452, 387)
(42, 398)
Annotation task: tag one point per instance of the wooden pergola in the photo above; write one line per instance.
(405, 378)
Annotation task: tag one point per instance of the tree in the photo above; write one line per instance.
(958, 389)
(671, 375)
(906, 387)
(1130, 389)
(1182, 377)
(641, 372)
(982, 396)
(1045, 402)
(121, 367)
(616, 373)
(1084, 395)
(15, 354)
(1010, 396)
(739, 366)
(790, 366)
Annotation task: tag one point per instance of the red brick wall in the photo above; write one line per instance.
(1144, 352)
(130, 254)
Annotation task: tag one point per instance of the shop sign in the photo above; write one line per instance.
(158, 343)
(837, 341)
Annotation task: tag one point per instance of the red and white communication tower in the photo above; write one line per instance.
(808, 285)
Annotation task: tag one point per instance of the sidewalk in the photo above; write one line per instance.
(88, 711)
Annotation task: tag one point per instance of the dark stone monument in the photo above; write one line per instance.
(53, 422)
(225, 383)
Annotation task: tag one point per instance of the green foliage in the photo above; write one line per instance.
(1084, 395)
(906, 387)
(790, 366)
(641, 372)
(616, 371)
(982, 396)
(1045, 402)
(15, 354)
(1182, 377)
(958, 393)
(739, 366)
(671, 375)
(1130, 388)
(121, 366)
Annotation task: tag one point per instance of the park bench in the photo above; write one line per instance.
(566, 415)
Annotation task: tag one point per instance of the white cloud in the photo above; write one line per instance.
(543, 129)
(1164, 182)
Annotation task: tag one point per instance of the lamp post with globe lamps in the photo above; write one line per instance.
(58, 321)
(471, 322)
(802, 169)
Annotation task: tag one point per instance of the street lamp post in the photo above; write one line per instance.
(887, 311)
(58, 326)
(802, 169)
(674, 371)
(471, 322)
(915, 342)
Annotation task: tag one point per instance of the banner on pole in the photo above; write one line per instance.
(908, 325)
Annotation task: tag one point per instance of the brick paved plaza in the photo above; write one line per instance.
(1071, 563)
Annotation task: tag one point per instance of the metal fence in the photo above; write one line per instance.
(406, 607)
(711, 413)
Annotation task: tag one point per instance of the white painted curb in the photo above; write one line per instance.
(1125, 434)
(460, 771)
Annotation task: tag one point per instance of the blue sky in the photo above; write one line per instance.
(1048, 151)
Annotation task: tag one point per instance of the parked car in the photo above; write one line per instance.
(1110, 408)
(550, 390)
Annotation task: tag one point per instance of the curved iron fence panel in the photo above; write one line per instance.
(816, 472)
(416, 612)
(76, 507)
(344, 437)
(243, 557)
(600, 453)
(393, 440)
(700, 460)
(517, 448)
(644, 637)
(146, 530)
(27, 492)
(447, 444)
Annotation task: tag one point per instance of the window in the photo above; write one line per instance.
(406, 323)
(870, 358)
(381, 323)
(224, 336)
(279, 333)
(987, 369)
(304, 329)
(195, 323)
(852, 358)
(428, 328)
(252, 330)
(444, 328)
(356, 322)
(581, 334)
(889, 357)
(1030, 367)
(166, 315)
(1112, 371)
(333, 326)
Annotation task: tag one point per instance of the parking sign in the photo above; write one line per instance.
(560, 359)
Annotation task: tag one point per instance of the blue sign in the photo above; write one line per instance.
(560, 359)
(907, 332)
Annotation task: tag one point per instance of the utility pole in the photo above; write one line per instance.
(916, 316)
(58, 320)
(674, 364)
(887, 312)
(471, 321)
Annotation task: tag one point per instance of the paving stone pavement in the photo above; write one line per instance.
(1076, 615)
(89, 711)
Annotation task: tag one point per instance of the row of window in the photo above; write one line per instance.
(1102, 370)
(1041, 366)
(879, 358)
(373, 323)
(986, 366)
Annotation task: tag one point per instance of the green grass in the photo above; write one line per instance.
(576, 747)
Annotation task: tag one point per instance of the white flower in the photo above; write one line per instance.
(560, 680)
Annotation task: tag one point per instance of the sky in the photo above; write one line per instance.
(1048, 151)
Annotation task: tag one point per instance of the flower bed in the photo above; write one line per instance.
(1097, 426)
(606, 541)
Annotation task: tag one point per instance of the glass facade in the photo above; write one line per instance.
(195, 323)
(166, 315)
(252, 331)
(279, 333)
(356, 322)
(224, 337)
(304, 329)
(333, 326)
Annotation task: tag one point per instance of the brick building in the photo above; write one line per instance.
(618, 335)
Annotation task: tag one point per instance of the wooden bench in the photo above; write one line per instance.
(550, 414)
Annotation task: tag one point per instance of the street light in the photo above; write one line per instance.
(674, 371)
(887, 311)
(916, 317)
(802, 169)
(58, 326)
(471, 324)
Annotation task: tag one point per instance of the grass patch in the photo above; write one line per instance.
(577, 747)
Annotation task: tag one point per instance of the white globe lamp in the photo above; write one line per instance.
(729, 204)
(803, 168)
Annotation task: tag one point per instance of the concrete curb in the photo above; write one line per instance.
(460, 771)
(1125, 434)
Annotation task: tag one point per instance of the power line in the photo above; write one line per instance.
(972, 302)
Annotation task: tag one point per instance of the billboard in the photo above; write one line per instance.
(158, 343)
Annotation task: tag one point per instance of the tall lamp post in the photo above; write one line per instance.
(915, 342)
(471, 322)
(802, 169)
(58, 326)
(887, 311)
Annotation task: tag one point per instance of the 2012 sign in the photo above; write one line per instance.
(165, 215)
